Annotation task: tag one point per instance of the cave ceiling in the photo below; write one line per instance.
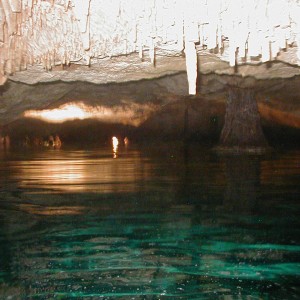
(55, 51)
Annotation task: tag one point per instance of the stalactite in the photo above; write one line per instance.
(30, 59)
(66, 5)
(191, 66)
(3, 78)
(212, 26)
(44, 64)
(24, 61)
(81, 10)
(141, 55)
(64, 28)
(191, 35)
(19, 24)
(179, 23)
(2, 20)
(87, 59)
(298, 53)
(29, 3)
(152, 52)
(265, 50)
(63, 60)
(15, 5)
(86, 36)
(8, 67)
(133, 26)
(2, 32)
(8, 16)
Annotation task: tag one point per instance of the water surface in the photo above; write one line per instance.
(155, 222)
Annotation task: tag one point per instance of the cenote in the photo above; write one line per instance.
(162, 221)
(149, 149)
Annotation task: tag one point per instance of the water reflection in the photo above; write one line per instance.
(73, 172)
(115, 144)
(4, 142)
(243, 183)
(152, 224)
(52, 210)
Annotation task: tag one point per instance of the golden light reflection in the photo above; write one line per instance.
(125, 113)
(75, 172)
(126, 141)
(52, 210)
(115, 144)
(68, 174)
(4, 142)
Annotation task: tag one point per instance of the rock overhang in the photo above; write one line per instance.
(60, 42)
(164, 35)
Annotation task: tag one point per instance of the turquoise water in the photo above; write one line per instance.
(163, 222)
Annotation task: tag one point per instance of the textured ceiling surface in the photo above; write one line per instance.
(37, 36)
(105, 42)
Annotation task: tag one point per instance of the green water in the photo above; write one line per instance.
(165, 222)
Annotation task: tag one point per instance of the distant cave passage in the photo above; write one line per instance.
(242, 127)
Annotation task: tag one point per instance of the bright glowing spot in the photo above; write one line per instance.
(65, 112)
(126, 141)
(115, 144)
(125, 113)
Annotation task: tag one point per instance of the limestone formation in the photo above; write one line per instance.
(44, 34)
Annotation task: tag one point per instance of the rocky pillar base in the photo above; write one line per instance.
(242, 129)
